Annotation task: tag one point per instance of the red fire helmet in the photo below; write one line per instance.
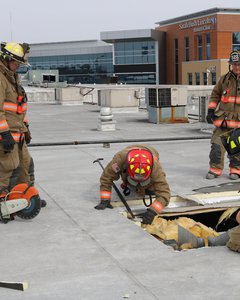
(139, 164)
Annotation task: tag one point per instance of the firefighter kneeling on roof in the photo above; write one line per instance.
(139, 168)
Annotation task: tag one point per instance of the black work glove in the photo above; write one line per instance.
(147, 216)
(7, 141)
(210, 116)
(104, 204)
(28, 137)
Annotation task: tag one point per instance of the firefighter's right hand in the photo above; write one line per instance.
(104, 204)
(147, 216)
(7, 141)
(28, 137)
(210, 116)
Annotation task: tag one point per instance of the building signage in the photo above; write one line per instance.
(199, 24)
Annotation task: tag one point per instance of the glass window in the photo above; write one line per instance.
(120, 60)
(205, 78)
(199, 47)
(129, 60)
(197, 78)
(187, 48)
(176, 59)
(236, 41)
(208, 46)
(85, 68)
(214, 80)
(119, 46)
(129, 48)
(135, 52)
(190, 79)
(137, 59)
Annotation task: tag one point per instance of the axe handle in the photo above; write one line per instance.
(117, 190)
(21, 286)
(123, 200)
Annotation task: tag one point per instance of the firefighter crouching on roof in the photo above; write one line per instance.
(139, 167)
(14, 155)
(224, 114)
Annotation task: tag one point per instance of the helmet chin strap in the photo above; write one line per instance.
(5, 62)
(136, 183)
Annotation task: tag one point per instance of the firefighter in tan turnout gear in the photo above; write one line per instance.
(139, 168)
(234, 236)
(224, 114)
(231, 143)
(14, 156)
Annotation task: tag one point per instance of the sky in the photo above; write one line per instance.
(40, 21)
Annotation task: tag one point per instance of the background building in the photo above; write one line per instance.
(198, 45)
(138, 55)
(191, 50)
(77, 61)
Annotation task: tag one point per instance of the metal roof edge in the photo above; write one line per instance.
(199, 14)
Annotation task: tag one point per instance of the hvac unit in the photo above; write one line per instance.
(167, 104)
(167, 97)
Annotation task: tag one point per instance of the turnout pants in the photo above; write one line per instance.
(217, 154)
(14, 167)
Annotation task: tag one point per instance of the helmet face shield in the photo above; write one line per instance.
(15, 51)
(139, 166)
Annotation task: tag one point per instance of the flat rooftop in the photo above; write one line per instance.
(72, 251)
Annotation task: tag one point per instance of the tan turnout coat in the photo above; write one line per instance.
(117, 168)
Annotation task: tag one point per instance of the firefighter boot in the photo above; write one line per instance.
(233, 176)
(211, 175)
(43, 203)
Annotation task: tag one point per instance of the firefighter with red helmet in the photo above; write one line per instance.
(224, 114)
(15, 159)
(139, 168)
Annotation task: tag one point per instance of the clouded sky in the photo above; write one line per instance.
(39, 21)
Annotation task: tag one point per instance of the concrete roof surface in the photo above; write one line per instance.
(72, 251)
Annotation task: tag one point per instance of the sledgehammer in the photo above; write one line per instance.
(117, 190)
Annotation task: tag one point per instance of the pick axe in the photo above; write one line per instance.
(117, 190)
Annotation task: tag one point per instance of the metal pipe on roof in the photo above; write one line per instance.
(92, 142)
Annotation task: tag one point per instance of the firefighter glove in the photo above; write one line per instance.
(7, 141)
(28, 137)
(210, 116)
(148, 216)
(104, 204)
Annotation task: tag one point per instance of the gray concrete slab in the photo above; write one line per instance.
(72, 251)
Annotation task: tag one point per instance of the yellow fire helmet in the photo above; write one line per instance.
(15, 51)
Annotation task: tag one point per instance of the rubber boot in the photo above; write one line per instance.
(211, 175)
(43, 203)
(234, 176)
